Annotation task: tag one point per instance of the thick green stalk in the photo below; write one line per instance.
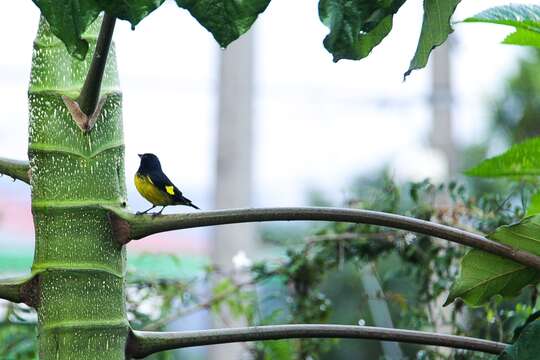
(90, 91)
(20, 290)
(144, 343)
(18, 170)
(80, 269)
(129, 226)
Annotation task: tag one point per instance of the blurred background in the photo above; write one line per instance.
(271, 121)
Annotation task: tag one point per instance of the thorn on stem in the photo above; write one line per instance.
(30, 292)
(84, 122)
(120, 228)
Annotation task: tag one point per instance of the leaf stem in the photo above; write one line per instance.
(19, 290)
(129, 226)
(89, 97)
(143, 343)
(16, 169)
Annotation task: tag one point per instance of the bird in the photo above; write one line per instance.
(156, 187)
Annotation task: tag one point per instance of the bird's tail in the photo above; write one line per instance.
(194, 206)
(188, 202)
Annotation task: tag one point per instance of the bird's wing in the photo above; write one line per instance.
(162, 182)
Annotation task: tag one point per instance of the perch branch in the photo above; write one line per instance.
(16, 169)
(143, 343)
(89, 97)
(20, 290)
(128, 226)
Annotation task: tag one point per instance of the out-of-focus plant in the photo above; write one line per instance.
(298, 287)
(427, 266)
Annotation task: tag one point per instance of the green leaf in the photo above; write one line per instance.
(227, 20)
(520, 16)
(522, 159)
(68, 20)
(356, 27)
(518, 330)
(525, 18)
(131, 10)
(523, 37)
(484, 275)
(534, 205)
(435, 30)
(527, 346)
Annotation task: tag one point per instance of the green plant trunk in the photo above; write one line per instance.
(80, 270)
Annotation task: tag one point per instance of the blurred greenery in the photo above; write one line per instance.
(516, 110)
(306, 283)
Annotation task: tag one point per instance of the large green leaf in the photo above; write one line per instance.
(69, 19)
(131, 10)
(484, 275)
(356, 27)
(435, 30)
(525, 18)
(527, 346)
(227, 20)
(522, 159)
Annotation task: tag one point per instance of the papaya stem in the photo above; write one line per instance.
(143, 343)
(18, 170)
(20, 290)
(89, 97)
(127, 226)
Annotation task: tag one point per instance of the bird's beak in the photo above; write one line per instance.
(140, 155)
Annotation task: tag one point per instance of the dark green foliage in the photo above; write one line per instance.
(435, 30)
(70, 19)
(356, 27)
(132, 10)
(529, 320)
(227, 20)
(527, 346)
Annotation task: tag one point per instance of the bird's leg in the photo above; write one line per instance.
(144, 212)
(160, 211)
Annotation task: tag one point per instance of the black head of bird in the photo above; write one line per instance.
(149, 162)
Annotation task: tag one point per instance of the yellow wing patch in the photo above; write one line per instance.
(170, 189)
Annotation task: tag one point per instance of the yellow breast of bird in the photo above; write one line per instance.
(150, 192)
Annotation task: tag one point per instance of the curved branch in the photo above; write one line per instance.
(20, 290)
(144, 343)
(16, 169)
(89, 97)
(129, 227)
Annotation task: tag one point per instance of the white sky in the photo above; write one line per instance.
(318, 124)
